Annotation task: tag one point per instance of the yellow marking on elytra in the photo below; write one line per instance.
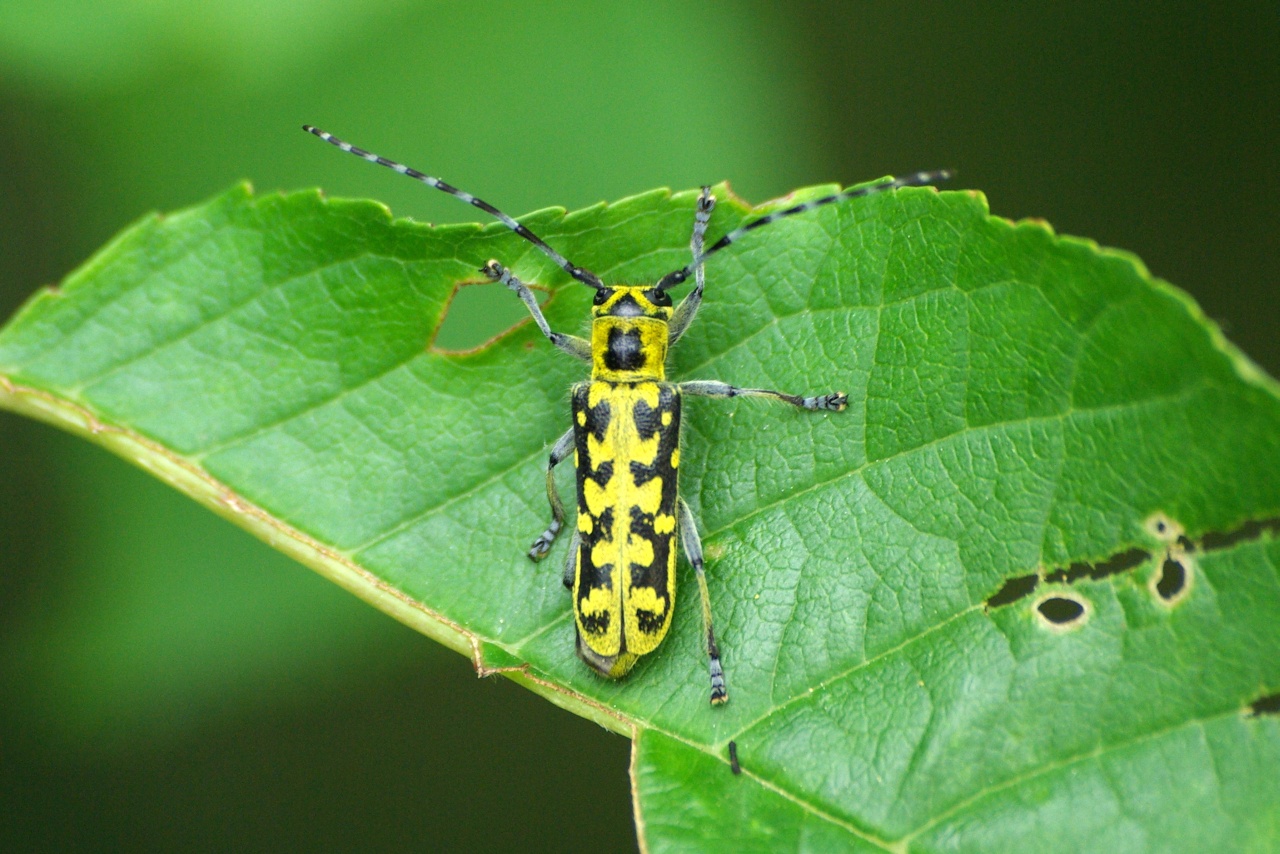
(639, 551)
(675, 458)
(603, 553)
(585, 523)
(666, 419)
(582, 419)
(648, 497)
(646, 599)
(597, 394)
(642, 598)
(600, 498)
(649, 393)
(597, 603)
(600, 451)
(644, 451)
(664, 523)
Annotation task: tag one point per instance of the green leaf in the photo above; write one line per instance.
(1022, 406)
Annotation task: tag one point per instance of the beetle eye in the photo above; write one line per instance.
(657, 297)
(602, 295)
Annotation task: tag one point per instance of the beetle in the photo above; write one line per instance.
(625, 437)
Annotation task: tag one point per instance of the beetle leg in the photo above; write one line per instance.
(571, 562)
(693, 551)
(836, 400)
(562, 449)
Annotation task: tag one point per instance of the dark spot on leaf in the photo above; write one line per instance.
(1268, 705)
(1173, 578)
(733, 758)
(1013, 590)
(1060, 611)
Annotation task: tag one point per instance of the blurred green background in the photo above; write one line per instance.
(166, 682)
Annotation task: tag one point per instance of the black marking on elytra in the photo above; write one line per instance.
(624, 351)
(648, 422)
(601, 474)
(641, 523)
(597, 417)
(642, 474)
(603, 527)
(594, 624)
(591, 576)
(648, 622)
(595, 423)
(653, 575)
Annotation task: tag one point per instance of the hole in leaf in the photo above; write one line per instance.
(1173, 578)
(1172, 581)
(1122, 562)
(1062, 612)
(479, 313)
(1215, 540)
(1268, 705)
(1013, 590)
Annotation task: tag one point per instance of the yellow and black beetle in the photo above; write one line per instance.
(625, 438)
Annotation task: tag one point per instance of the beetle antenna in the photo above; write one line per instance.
(670, 280)
(581, 274)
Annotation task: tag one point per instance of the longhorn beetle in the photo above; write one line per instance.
(625, 438)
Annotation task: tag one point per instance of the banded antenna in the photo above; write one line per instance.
(670, 280)
(581, 274)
